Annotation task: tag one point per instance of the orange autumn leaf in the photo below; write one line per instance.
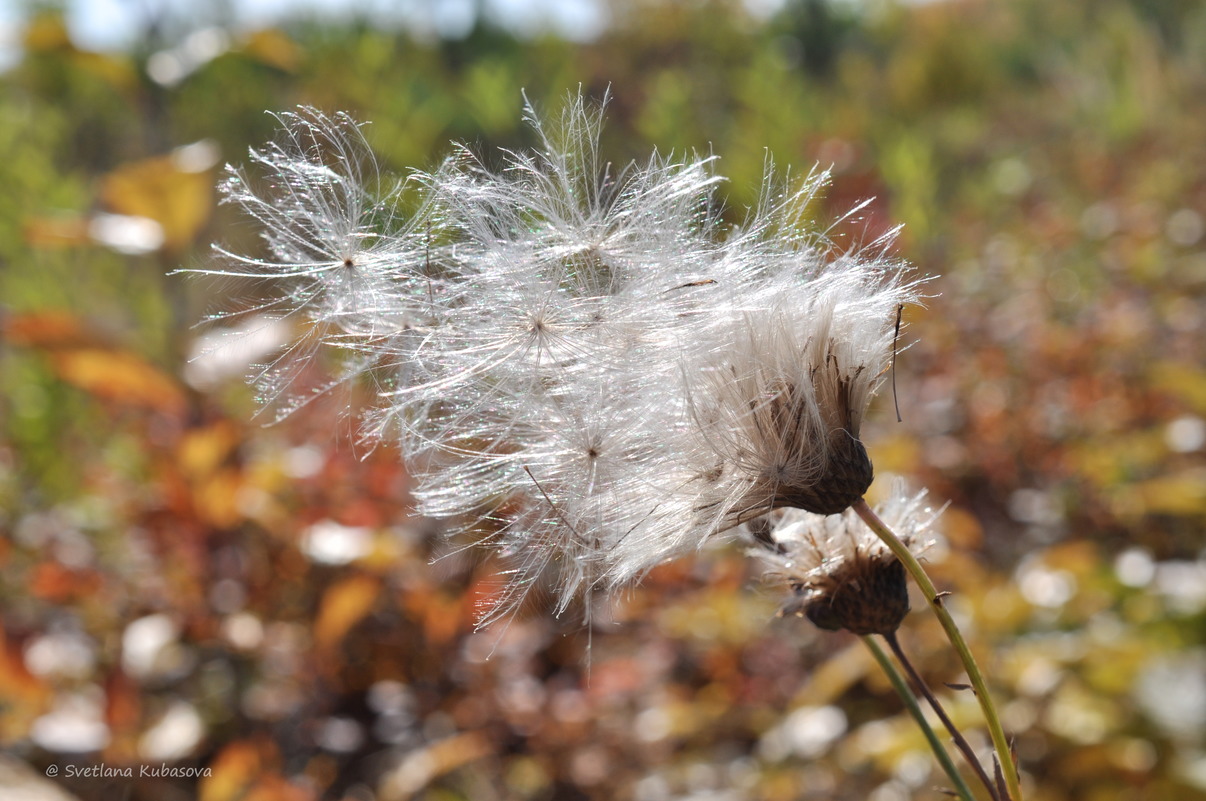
(45, 329)
(232, 772)
(122, 377)
(442, 617)
(51, 581)
(123, 710)
(57, 231)
(344, 605)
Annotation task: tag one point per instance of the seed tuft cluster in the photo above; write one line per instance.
(584, 366)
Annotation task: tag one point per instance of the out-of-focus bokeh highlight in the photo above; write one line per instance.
(187, 591)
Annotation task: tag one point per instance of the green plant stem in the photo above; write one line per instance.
(910, 701)
(991, 718)
(923, 689)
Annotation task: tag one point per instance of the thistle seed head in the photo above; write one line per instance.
(840, 575)
(866, 596)
(585, 369)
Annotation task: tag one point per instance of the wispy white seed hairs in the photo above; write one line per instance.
(344, 263)
(583, 366)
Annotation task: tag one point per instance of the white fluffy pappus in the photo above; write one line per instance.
(339, 260)
(583, 367)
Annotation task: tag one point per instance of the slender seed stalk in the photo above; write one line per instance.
(991, 718)
(956, 735)
(910, 702)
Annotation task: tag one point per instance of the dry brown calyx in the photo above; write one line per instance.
(864, 595)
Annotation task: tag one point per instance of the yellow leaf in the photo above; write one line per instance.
(217, 498)
(897, 453)
(1184, 381)
(117, 71)
(155, 188)
(1080, 558)
(344, 605)
(1181, 493)
(274, 48)
(231, 772)
(204, 450)
(47, 32)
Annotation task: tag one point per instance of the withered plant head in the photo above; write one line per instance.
(840, 574)
(779, 404)
(867, 594)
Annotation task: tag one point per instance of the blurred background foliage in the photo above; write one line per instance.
(183, 587)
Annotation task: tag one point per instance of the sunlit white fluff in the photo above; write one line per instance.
(583, 367)
(785, 382)
(791, 341)
(803, 547)
(345, 266)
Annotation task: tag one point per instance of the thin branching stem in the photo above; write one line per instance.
(991, 718)
(910, 702)
(921, 687)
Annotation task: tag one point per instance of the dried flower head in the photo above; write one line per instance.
(841, 575)
(784, 391)
(583, 366)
